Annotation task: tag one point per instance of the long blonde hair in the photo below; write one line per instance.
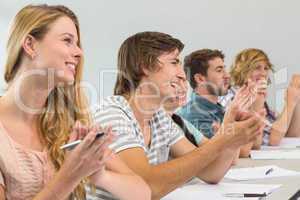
(245, 62)
(65, 104)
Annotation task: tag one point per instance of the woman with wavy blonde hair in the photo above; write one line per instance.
(44, 107)
(253, 66)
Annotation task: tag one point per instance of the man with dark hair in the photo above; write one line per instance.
(149, 72)
(205, 71)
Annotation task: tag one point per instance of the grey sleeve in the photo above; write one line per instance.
(126, 136)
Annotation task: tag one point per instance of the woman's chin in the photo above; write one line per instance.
(65, 81)
(262, 94)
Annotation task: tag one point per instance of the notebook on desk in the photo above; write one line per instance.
(276, 154)
(261, 172)
(221, 191)
(285, 143)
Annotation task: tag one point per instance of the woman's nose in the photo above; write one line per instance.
(77, 53)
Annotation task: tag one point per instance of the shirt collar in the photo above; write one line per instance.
(204, 102)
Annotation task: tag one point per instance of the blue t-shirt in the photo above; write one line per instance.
(201, 113)
(195, 132)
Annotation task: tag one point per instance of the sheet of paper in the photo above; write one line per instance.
(201, 190)
(252, 173)
(192, 193)
(276, 154)
(286, 143)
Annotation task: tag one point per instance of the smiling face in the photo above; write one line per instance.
(58, 50)
(180, 98)
(164, 81)
(260, 71)
(217, 78)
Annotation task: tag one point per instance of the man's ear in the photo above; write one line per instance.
(149, 70)
(199, 78)
(29, 46)
(145, 71)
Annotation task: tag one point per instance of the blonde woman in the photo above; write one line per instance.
(38, 114)
(252, 66)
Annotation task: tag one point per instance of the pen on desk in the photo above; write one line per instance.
(269, 171)
(245, 195)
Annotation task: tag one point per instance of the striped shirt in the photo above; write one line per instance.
(116, 112)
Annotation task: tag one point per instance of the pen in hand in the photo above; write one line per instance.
(72, 145)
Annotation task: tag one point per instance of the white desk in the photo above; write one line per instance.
(289, 184)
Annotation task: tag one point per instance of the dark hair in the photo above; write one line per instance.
(197, 62)
(139, 52)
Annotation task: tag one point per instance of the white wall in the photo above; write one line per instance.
(230, 25)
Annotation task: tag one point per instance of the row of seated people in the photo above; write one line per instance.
(150, 147)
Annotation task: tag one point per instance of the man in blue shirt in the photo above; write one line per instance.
(205, 71)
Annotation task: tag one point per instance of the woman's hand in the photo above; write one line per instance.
(85, 159)
(239, 107)
(260, 93)
(293, 90)
(89, 156)
(240, 125)
(97, 177)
